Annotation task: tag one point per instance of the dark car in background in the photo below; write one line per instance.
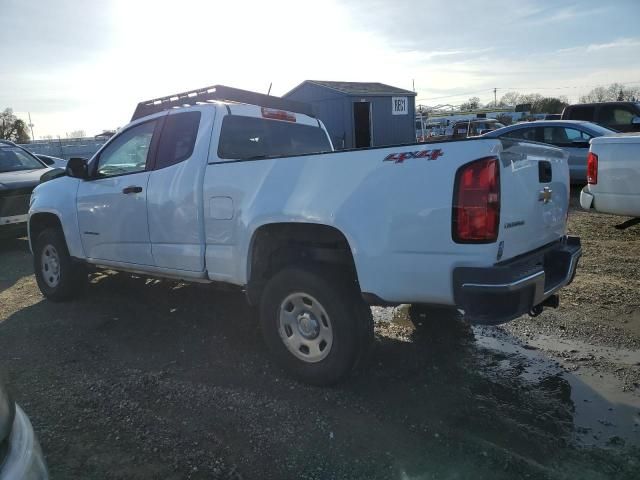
(619, 116)
(20, 454)
(571, 136)
(20, 172)
(475, 127)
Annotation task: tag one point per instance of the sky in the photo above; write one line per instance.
(84, 65)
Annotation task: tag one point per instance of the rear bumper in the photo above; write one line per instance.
(507, 290)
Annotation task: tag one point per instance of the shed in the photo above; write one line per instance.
(360, 114)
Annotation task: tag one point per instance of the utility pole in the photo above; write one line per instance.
(31, 127)
(495, 97)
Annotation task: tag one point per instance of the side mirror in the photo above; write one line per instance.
(51, 174)
(635, 121)
(77, 167)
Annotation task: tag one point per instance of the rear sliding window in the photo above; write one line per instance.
(244, 138)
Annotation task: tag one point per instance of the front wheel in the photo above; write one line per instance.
(315, 324)
(58, 277)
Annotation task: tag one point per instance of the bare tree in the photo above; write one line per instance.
(615, 91)
(472, 104)
(76, 134)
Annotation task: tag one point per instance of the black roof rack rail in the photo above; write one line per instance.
(218, 92)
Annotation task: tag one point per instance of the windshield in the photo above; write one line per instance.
(13, 159)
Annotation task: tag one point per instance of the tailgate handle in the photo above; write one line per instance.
(544, 172)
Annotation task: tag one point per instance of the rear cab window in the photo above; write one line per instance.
(250, 138)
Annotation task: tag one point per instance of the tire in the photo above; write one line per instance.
(58, 276)
(302, 308)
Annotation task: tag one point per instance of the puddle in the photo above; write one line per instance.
(583, 350)
(604, 415)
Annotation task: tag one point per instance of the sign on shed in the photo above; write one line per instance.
(399, 106)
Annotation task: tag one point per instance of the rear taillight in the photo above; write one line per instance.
(592, 168)
(476, 202)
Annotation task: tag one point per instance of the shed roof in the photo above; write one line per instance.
(358, 88)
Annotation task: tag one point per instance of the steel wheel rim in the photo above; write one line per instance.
(50, 266)
(305, 328)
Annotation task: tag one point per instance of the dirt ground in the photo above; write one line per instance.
(154, 379)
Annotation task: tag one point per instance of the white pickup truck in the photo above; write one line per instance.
(613, 175)
(217, 190)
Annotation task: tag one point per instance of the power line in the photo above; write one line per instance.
(457, 95)
(566, 87)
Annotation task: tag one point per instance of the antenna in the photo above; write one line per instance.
(269, 91)
(30, 125)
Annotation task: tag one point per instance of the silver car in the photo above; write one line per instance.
(570, 135)
(20, 454)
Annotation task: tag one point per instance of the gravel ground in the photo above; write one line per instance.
(154, 379)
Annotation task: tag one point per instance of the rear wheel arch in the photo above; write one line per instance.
(275, 246)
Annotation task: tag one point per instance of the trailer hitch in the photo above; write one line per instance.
(553, 301)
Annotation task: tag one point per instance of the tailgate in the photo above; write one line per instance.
(534, 182)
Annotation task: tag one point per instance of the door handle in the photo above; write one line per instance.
(132, 189)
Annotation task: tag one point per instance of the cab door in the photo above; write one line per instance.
(112, 202)
(174, 199)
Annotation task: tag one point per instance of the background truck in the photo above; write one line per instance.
(222, 185)
(613, 175)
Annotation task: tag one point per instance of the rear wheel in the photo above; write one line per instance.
(58, 277)
(315, 324)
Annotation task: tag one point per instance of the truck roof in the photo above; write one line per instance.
(218, 93)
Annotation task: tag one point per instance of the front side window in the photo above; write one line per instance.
(178, 138)
(564, 137)
(244, 138)
(128, 152)
(614, 115)
(14, 159)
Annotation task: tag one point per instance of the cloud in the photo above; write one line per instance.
(621, 43)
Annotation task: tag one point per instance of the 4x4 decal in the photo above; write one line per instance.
(402, 156)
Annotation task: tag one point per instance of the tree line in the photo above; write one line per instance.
(542, 104)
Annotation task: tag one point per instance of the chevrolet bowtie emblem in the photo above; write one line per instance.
(545, 195)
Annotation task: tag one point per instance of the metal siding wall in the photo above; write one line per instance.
(329, 106)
